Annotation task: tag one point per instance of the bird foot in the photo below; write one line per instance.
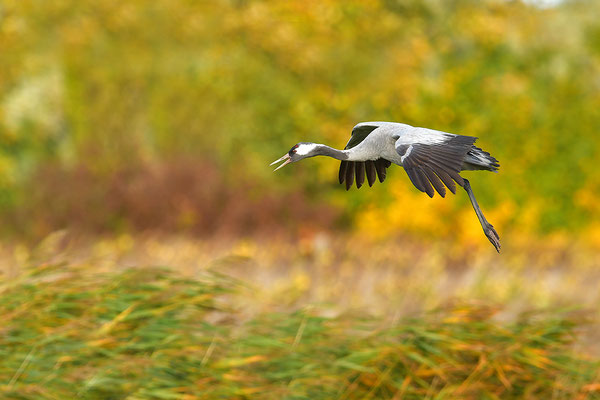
(492, 236)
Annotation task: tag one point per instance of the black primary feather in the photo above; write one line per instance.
(342, 174)
(371, 173)
(359, 174)
(349, 175)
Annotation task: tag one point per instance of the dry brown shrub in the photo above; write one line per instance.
(178, 196)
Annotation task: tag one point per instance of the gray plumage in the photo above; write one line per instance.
(432, 160)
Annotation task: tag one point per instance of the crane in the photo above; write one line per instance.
(432, 159)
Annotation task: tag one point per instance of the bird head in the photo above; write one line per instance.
(297, 152)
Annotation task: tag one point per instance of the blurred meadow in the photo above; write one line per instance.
(148, 251)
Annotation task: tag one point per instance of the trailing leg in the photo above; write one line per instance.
(488, 229)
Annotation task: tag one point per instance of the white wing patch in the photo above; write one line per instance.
(426, 136)
(408, 151)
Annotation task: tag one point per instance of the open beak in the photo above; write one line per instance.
(286, 160)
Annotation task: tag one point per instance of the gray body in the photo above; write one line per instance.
(432, 160)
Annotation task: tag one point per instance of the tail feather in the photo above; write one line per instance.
(477, 159)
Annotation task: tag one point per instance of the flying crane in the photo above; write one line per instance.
(432, 159)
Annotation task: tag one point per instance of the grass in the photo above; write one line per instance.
(74, 331)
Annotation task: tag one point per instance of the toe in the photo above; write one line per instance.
(493, 237)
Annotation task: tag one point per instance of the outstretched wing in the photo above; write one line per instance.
(359, 133)
(357, 169)
(431, 157)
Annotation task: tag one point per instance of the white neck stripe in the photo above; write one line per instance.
(304, 149)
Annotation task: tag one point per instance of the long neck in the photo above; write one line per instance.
(324, 150)
(357, 153)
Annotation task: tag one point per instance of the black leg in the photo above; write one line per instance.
(488, 229)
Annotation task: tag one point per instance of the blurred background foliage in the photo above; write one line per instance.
(136, 133)
(119, 116)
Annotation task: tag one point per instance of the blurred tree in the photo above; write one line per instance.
(108, 87)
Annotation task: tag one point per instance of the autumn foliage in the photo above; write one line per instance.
(149, 252)
(110, 87)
